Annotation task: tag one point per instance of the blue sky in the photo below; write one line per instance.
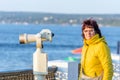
(63, 6)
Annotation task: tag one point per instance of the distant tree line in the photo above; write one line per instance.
(62, 19)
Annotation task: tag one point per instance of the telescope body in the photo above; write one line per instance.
(40, 60)
(25, 38)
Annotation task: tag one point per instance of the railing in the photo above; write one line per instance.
(26, 75)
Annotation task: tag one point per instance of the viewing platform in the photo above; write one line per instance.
(58, 70)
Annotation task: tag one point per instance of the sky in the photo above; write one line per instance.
(62, 6)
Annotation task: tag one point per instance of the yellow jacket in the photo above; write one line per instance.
(96, 58)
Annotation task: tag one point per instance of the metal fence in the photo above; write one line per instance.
(26, 75)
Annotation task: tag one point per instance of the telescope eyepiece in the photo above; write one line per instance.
(52, 34)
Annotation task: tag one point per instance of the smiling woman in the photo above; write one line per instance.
(96, 62)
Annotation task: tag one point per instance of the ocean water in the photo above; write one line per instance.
(16, 56)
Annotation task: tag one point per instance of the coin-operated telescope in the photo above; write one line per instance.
(40, 60)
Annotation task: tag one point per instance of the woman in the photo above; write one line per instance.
(96, 62)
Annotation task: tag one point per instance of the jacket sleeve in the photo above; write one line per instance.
(106, 61)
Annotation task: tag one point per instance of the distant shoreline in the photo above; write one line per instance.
(60, 19)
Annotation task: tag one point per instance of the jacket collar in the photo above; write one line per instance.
(94, 40)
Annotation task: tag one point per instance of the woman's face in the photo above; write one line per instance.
(88, 33)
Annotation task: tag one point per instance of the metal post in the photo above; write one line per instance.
(118, 47)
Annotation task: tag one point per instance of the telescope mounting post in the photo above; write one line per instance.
(40, 62)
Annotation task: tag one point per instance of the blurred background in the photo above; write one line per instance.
(63, 18)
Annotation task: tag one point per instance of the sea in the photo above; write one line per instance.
(16, 56)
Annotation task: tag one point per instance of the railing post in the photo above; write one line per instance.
(118, 47)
